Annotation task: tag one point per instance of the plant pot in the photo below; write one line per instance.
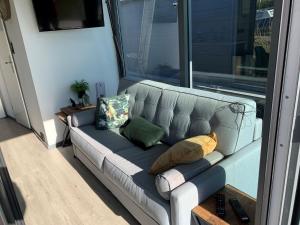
(86, 100)
(81, 94)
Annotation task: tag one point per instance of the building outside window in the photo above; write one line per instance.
(230, 42)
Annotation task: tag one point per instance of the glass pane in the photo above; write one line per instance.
(150, 39)
(231, 44)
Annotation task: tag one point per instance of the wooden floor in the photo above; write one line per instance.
(54, 188)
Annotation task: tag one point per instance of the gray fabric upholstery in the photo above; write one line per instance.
(129, 169)
(83, 118)
(92, 149)
(97, 144)
(143, 100)
(171, 179)
(184, 113)
(241, 170)
(175, 113)
(232, 118)
(258, 129)
(130, 205)
(112, 139)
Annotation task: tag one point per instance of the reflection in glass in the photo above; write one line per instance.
(149, 31)
(231, 44)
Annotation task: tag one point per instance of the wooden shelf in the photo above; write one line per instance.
(206, 211)
(69, 110)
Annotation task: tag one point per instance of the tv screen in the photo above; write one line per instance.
(68, 14)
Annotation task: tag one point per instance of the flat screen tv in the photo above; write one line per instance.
(68, 14)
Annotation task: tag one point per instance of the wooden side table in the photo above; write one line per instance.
(62, 116)
(205, 213)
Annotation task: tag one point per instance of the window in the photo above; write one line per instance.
(231, 44)
(149, 30)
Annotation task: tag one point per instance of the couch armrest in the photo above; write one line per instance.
(82, 118)
(241, 170)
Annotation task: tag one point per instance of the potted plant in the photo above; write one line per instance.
(81, 87)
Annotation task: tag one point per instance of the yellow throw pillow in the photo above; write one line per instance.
(183, 152)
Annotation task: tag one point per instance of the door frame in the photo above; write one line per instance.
(13, 64)
(3, 113)
(278, 161)
(287, 157)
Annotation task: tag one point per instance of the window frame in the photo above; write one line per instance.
(118, 30)
(272, 108)
(185, 49)
(283, 168)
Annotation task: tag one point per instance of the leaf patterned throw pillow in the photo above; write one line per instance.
(112, 112)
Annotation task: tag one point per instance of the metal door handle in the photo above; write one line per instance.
(8, 62)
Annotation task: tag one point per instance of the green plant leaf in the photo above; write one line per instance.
(80, 86)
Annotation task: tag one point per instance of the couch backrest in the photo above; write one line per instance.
(144, 99)
(184, 112)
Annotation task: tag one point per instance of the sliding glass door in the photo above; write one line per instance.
(233, 47)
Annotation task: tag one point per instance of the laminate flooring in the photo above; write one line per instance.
(52, 187)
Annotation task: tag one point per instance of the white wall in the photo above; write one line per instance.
(58, 58)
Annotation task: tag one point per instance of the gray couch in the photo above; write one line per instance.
(169, 197)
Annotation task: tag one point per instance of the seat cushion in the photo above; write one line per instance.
(172, 178)
(111, 138)
(128, 169)
(97, 144)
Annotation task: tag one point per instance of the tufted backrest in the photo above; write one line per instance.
(144, 99)
(184, 113)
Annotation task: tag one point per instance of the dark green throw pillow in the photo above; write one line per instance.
(142, 132)
(112, 112)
